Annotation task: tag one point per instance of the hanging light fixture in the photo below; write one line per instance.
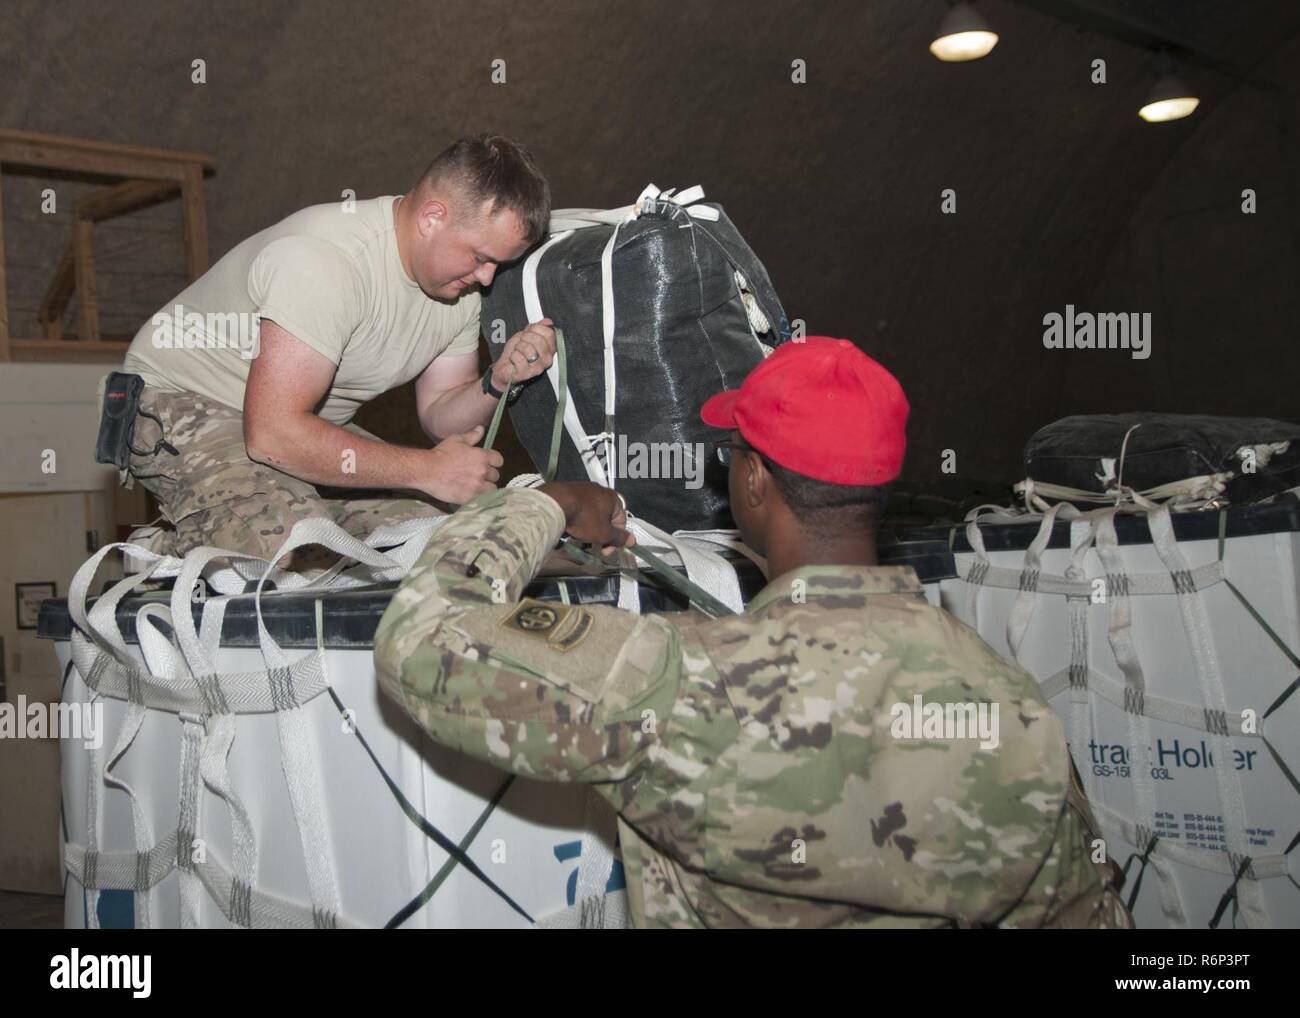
(1170, 99)
(963, 35)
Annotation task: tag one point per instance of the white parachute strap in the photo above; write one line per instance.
(1210, 860)
(977, 570)
(607, 330)
(232, 578)
(1205, 657)
(729, 539)
(1189, 493)
(706, 569)
(213, 753)
(1081, 537)
(1120, 635)
(84, 863)
(161, 660)
(629, 593)
(196, 748)
(99, 766)
(593, 907)
(568, 220)
(298, 751)
(1022, 610)
(101, 656)
(105, 662)
(190, 846)
(572, 424)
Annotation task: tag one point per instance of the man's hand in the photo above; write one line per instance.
(592, 514)
(527, 353)
(457, 471)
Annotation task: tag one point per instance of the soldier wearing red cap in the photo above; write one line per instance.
(785, 766)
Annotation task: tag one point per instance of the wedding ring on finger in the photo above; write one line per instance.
(532, 358)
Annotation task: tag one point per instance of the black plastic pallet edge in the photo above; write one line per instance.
(351, 616)
(927, 549)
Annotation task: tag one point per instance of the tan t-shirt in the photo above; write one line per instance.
(330, 277)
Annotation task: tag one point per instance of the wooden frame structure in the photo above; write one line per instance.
(136, 178)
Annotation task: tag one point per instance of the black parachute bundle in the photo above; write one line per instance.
(1253, 458)
(693, 313)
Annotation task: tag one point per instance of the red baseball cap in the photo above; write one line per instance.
(822, 408)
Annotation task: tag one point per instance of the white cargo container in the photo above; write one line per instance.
(1189, 748)
(383, 789)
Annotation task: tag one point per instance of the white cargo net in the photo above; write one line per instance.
(181, 676)
(1213, 715)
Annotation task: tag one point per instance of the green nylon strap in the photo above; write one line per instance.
(1230, 896)
(1286, 771)
(692, 591)
(419, 901)
(1281, 644)
(1142, 868)
(63, 820)
(497, 414)
(681, 584)
(557, 427)
(578, 554)
(440, 839)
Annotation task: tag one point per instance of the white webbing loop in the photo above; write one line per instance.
(1081, 536)
(607, 329)
(189, 822)
(593, 907)
(1205, 657)
(704, 567)
(1022, 610)
(1188, 493)
(1120, 635)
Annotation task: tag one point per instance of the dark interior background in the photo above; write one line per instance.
(1063, 194)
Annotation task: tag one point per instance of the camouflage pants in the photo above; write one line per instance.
(212, 493)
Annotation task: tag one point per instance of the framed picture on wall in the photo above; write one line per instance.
(28, 598)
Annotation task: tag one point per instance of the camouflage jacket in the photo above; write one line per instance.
(761, 765)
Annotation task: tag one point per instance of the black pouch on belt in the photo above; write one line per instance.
(117, 421)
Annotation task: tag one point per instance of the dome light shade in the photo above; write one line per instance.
(1170, 99)
(963, 35)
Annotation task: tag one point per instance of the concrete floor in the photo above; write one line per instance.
(20, 911)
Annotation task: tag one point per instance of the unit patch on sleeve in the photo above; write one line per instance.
(562, 626)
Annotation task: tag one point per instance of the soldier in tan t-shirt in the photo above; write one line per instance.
(254, 372)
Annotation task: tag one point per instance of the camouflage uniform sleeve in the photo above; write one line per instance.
(560, 692)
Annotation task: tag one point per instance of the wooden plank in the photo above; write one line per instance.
(57, 295)
(4, 293)
(112, 201)
(105, 163)
(196, 223)
(106, 351)
(55, 143)
(126, 197)
(83, 259)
